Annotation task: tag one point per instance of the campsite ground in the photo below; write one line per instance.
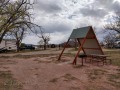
(40, 70)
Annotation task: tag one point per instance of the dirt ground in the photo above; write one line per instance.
(42, 71)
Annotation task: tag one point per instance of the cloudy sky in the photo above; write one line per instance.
(60, 17)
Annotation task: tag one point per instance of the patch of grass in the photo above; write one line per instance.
(114, 79)
(54, 58)
(61, 61)
(114, 56)
(69, 54)
(7, 82)
(118, 70)
(36, 74)
(31, 56)
(5, 62)
(73, 49)
(69, 77)
(66, 77)
(22, 56)
(96, 74)
(5, 57)
(77, 66)
(23, 51)
(44, 61)
(54, 80)
(48, 60)
(5, 74)
(96, 88)
(74, 88)
(27, 56)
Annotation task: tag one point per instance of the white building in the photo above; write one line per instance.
(9, 44)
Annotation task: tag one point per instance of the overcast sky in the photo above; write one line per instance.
(60, 17)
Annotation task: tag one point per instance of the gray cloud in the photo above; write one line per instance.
(58, 27)
(55, 26)
(48, 6)
(93, 12)
(71, 16)
(116, 7)
(109, 5)
(99, 8)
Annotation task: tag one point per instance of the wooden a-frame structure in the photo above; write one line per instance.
(87, 40)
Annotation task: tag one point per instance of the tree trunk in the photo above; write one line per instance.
(45, 43)
(3, 34)
(45, 46)
(18, 46)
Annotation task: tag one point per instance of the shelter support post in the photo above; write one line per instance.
(81, 46)
(63, 49)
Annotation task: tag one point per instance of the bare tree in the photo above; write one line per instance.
(39, 31)
(41, 43)
(3, 4)
(74, 43)
(109, 40)
(45, 38)
(114, 24)
(18, 34)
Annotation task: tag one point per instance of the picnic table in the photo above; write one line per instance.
(95, 57)
(82, 56)
(100, 58)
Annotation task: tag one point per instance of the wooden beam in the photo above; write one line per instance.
(91, 37)
(80, 45)
(92, 48)
(74, 62)
(63, 49)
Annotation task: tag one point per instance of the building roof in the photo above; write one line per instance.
(80, 32)
(9, 39)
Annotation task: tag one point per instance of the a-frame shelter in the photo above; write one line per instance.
(87, 40)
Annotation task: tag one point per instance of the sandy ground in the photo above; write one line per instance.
(46, 73)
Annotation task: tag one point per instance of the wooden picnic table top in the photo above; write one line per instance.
(99, 55)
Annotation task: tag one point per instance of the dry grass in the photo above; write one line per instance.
(114, 79)
(5, 62)
(32, 56)
(96, 88)
(78, 66)
(96, 74)
(7, 82)
(69, 77)
(54, 80)
(27, 56)
(74, 88)
(115, 56)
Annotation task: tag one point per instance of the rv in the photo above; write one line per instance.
(8, 44)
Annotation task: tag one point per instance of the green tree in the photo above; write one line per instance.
(13, 15)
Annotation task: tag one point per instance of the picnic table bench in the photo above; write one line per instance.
(95, 57)
(82, 56)
(100, 58)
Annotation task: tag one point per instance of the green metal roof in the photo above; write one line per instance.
(80, 32)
